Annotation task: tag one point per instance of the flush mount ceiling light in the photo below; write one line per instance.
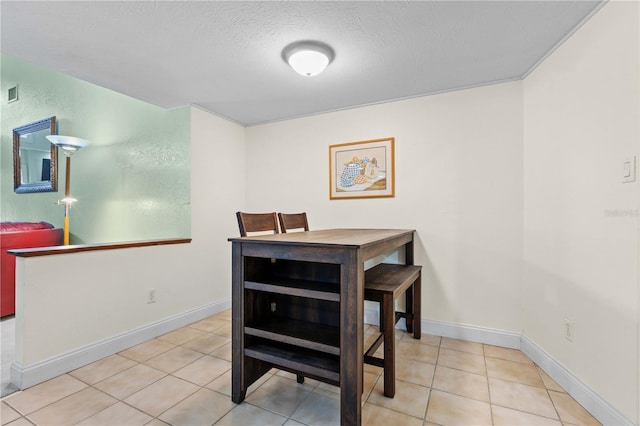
(308, 58)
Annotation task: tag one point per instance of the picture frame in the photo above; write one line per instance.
(364, 169)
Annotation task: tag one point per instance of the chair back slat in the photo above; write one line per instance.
(289, 221)
(257, 222)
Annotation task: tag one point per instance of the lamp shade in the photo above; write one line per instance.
(308, 58)
(69, 144)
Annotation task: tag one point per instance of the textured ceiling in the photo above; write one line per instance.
(226, 56)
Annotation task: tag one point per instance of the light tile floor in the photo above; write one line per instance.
(7, 349)
(184, 378)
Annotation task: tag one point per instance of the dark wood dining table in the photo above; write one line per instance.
(298, 303)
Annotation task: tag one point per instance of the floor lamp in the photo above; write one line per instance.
(69, 146)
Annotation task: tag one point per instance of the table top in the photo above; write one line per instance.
(341, 236)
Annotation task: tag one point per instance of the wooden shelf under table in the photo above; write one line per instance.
(309, 363)
(304, 334)
(302, 288)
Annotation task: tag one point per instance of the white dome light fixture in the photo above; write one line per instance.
(308, 58)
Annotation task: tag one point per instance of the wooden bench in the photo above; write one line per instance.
(384, 283)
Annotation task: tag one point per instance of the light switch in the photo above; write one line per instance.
(629, 170)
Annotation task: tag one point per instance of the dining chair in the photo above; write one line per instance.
(290, 221)
(384, 283)
(257, 222)
(262, 223)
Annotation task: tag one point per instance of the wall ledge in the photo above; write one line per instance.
(47, 251)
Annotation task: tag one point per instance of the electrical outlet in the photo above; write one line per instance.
(151, 296)
(569, 330)
(629, 170)
(273, 306)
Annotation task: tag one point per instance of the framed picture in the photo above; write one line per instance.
(362, 169)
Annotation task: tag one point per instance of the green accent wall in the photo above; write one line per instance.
(132, 182)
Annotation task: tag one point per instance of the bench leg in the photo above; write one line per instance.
(388, 327)
(300, 378)
(417, 304)
(409, 299)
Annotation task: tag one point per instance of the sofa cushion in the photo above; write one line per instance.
(23, 226)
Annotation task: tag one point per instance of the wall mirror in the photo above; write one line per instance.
(34, 157)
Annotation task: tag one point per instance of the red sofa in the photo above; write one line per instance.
(16, 235)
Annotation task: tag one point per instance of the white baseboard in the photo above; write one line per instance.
(472, 333)
(591, 401)
(26, 376)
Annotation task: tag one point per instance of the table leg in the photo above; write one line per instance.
(351, 340)
(237, 320)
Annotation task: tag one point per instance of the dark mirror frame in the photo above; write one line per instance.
(44, 186)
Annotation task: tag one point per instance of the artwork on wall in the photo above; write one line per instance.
(362, 169)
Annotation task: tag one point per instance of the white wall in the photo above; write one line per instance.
(217, 192)
(581, 109)
(458, 183)
(105, 294)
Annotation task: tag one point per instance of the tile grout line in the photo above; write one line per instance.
(554, 405)
(426, 410)
(486, 372)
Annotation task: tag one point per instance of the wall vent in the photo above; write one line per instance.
(12, 94)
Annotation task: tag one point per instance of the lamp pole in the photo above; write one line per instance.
(69, 145)
(67, 200)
